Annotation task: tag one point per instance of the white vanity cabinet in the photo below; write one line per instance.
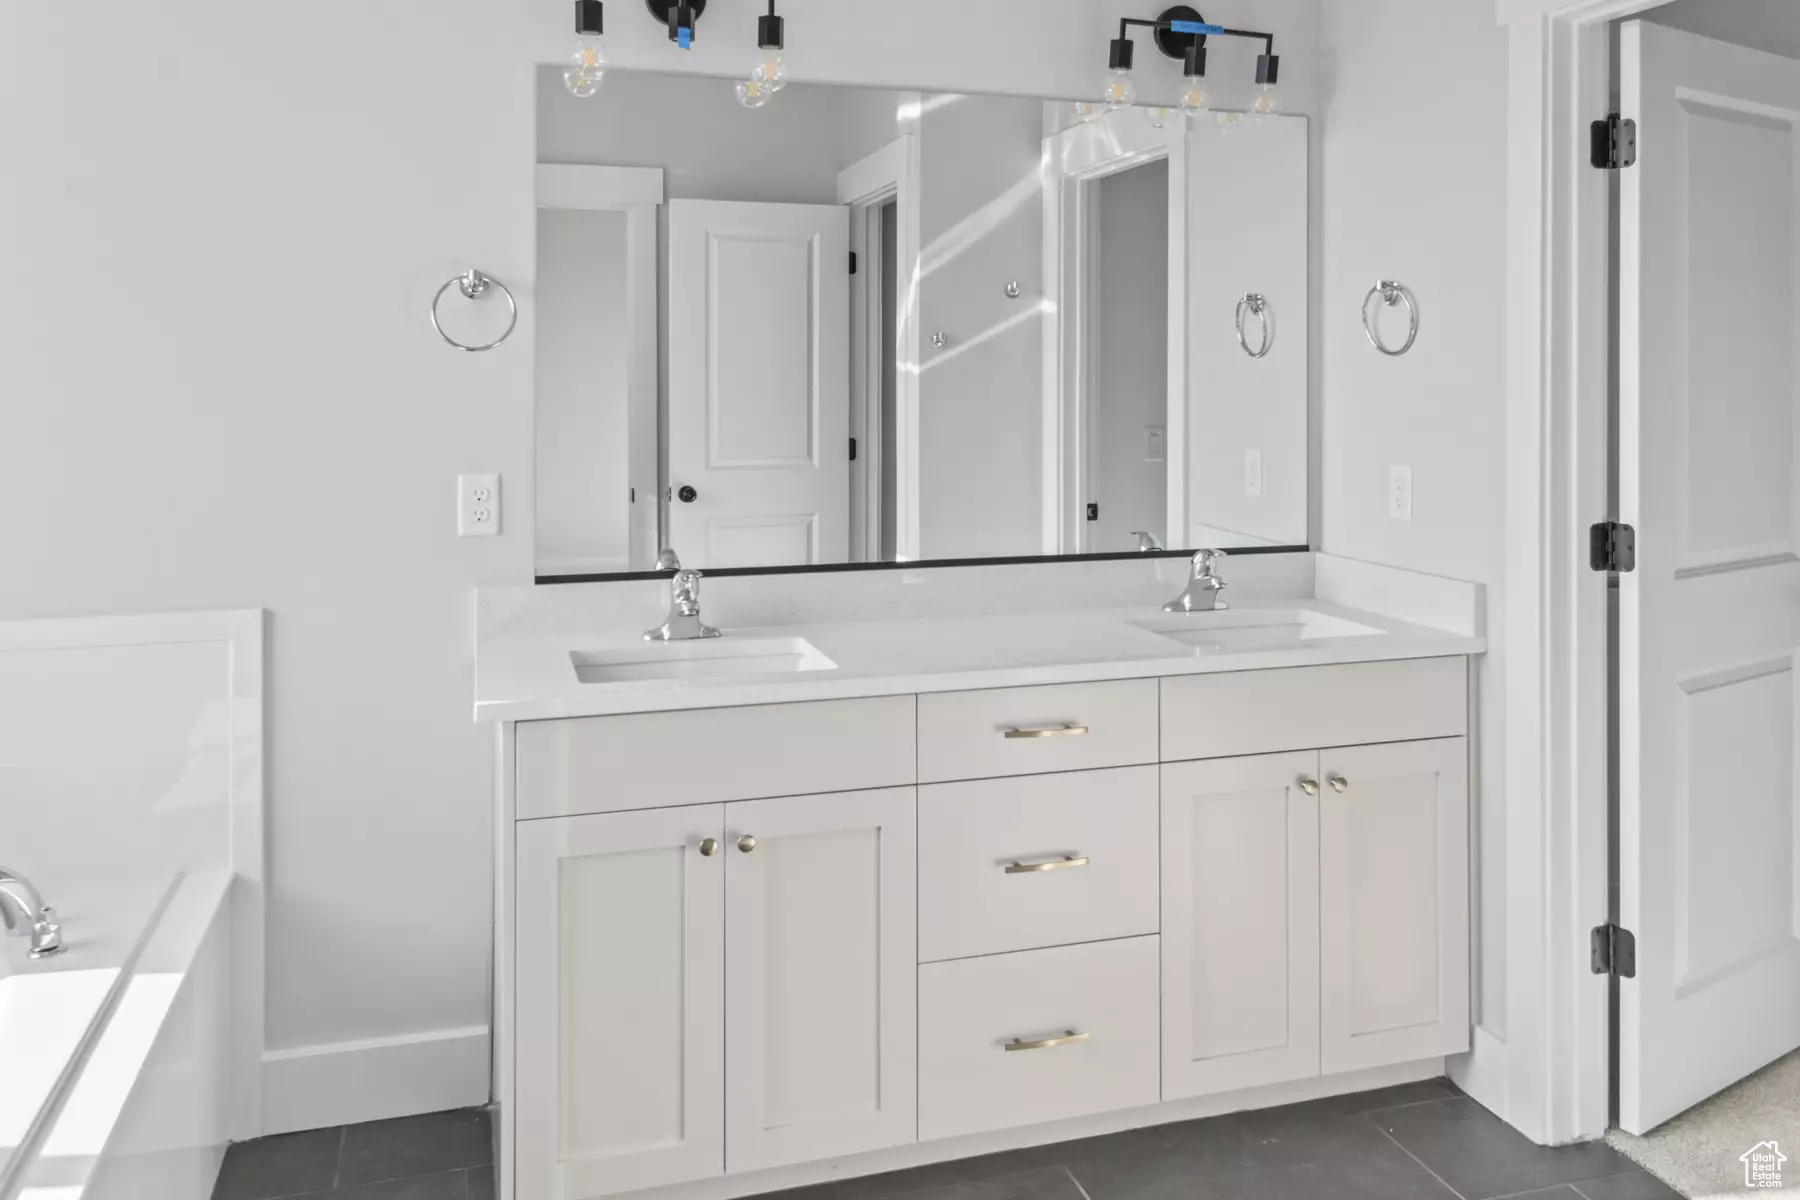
(758, 947)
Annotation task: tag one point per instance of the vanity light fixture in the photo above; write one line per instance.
(770, 73)
(587, 64)
(680, 18)
(1181, 32)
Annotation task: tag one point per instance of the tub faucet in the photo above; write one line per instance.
(684, 623)
(24, 914)
(1203, 588)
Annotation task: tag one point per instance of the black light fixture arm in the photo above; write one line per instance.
(1181, 33)
(1197, 29)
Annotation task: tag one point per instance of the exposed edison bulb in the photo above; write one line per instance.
(1157, 116)
(1268, 101)
(753, 93)
(771, 68)
(1087, 110)
(1196, 97)
(1120, 91)
(587, 66)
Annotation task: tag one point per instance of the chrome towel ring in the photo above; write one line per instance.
(1257, 305)
(1393, 295)
(474, 285)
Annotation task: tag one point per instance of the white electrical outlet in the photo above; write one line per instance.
(1156, 443)
(1400, 493)
(1253, 474)
(477, 506)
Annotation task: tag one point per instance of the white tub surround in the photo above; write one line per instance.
(973, 866)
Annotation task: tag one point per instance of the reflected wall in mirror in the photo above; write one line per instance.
(861, 325)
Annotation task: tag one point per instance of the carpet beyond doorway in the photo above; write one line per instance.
(1699, 1152)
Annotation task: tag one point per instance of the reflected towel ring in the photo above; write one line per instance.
(1393, 295)
(474, 285)
(1257, 305)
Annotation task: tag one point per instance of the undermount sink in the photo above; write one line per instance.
(717, 658)
(1253, 628)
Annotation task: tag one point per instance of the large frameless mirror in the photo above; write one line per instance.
(859, 326)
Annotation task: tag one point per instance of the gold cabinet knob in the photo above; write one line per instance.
(1310, 786)
(1339, 784)
(746, 843)
(709, 847)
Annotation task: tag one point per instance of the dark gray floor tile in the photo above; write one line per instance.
(1283, 1154)
(441, 1185)
(1483, 1157)
(289, 1164)
(956, 1177)
(1561, 1191)
(1632, 1185)
(481, 1183)
(1044, 1183)
(451, 1141)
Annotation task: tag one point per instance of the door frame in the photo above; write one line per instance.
(892, 173)
(1548, 1072)
(1074, 160)
(638, 193)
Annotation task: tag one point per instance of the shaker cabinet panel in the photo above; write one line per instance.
(820, 967)
(1240, 923)
(620, 1001)
(1394, 879)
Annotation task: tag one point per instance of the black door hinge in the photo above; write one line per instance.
(1093, 511)
(1615, 952)
(1613, 143)
(1612, 547)
(853, 262)
(852, 449)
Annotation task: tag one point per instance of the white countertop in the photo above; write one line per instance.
(531, 676)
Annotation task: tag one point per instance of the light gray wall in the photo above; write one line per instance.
(1415, 190)
(285, 402)
(981, 219)
(1772, 25)
(583, 426)
(1132, 345)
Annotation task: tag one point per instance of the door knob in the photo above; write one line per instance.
(746, 843)
(687, 495)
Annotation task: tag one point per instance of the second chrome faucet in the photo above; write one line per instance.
(1204, 586)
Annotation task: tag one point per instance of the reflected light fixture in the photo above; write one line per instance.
(587, 63)
(1181, 33)
(770, 73)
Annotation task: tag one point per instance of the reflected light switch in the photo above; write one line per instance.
(1253, 474)
(1155, 443)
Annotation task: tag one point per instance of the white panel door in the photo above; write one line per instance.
(821, 966)
(1394, 903)
(1710, 620)
(620, 989)
(1240, 923)
(759, 383)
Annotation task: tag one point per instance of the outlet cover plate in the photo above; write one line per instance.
(477, 506)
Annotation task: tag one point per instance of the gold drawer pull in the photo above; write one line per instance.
(1339, 784)
(1066, 863)
(1053, 731)
(1050, 1043)
(1310, 786)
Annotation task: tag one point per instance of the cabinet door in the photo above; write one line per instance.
(1240, 923)
(1394, 880)
(620, 993)
(820, 963)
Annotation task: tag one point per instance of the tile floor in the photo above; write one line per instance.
(1421, 1141)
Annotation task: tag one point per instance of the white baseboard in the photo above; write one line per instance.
(1482, 1072)
(343, 1083)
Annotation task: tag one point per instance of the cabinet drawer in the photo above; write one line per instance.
(656, 760)
(1028, 731)
(1265, 712)
(970, 1011)
(1043, 860)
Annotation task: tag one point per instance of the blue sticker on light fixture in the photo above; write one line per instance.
(1195, 27)
(684, 37)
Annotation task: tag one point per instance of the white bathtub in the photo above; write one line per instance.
(115, 1053)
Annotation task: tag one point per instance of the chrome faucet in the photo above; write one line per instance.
(1203, 588)
(1148, 543)
(24, 914)
(684, 623)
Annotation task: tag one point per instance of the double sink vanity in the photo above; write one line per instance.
(827, 897)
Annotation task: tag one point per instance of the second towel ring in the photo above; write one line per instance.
(1257, 305)
(1393, 295)
(474, 285)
